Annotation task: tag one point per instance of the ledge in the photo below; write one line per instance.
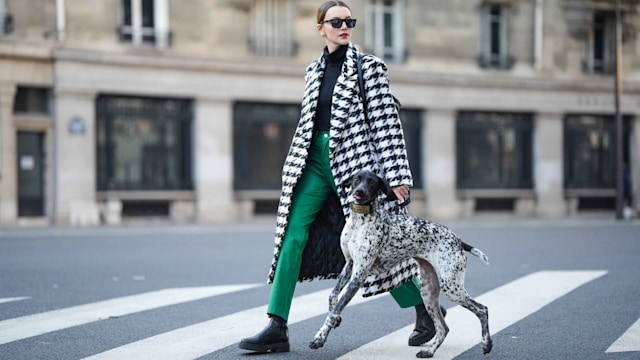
(495, 193)
(146, 195)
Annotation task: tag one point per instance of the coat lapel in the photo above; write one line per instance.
(343, 96)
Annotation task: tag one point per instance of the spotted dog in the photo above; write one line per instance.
(373, 240)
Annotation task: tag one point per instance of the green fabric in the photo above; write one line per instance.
(313, 188)
(407, 294)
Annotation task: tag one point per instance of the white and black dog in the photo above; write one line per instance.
(373, 240)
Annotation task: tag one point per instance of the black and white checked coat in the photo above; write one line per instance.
(352, 147)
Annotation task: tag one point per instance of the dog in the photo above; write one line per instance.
(374, 239)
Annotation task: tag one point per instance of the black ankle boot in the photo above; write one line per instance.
(424, 329)
(273, 338)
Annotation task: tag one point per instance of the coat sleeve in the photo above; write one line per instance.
(385, 125)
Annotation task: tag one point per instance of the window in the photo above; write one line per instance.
(601, 41)
(6, 20)
(32, 100)
(262, 133)
(384, 34)
(590, 152)
(494, 150)
(145, 22)
(494, 52)
(271, 31)
(144, 143)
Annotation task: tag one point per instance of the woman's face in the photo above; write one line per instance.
(335, 37)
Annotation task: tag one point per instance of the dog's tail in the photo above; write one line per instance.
(476, 252)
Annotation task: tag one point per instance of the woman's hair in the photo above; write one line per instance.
(322, 10)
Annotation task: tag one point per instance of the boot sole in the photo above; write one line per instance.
(261, 348)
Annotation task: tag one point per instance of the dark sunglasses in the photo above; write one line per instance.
(337, 23)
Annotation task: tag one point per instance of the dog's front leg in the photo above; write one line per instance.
(333, 318)
(343, 278)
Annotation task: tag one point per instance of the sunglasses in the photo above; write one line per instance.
(337, 23)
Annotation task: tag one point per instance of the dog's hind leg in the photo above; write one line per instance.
(333, 318)
(456, 292)
(430, 291)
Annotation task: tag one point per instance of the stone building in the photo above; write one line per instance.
(115, 109)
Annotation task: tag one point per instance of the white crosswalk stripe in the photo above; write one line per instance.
(37, 324)
(11, 299)
(508, 304)
(629, 341)
(197, 340)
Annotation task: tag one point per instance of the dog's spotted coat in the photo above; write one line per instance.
(376, 240)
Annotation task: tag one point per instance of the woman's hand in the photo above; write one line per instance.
(401, 191)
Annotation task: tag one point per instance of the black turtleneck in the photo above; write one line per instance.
(332, 70)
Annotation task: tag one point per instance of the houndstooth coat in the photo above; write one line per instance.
(352, 147)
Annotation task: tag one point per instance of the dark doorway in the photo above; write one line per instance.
(31, 170)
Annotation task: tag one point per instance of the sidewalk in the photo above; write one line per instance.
(267, 224)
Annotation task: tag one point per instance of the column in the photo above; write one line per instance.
(8, 158)
(548, 165)
(439, 139)
(214, 161)
(75, 159)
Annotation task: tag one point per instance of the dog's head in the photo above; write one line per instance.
(366, 185)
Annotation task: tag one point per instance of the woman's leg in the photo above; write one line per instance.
(407, 294)
(308, 197)
(310, 193)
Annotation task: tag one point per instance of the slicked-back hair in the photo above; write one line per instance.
(322, 10)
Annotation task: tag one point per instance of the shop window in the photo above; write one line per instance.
(271, 28)
(494, 150)
(145, 22)
(144, 143)
(590, 151)
(384, 34)
(262, 133)
(412, 127)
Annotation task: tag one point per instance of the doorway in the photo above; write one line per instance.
(31, 170)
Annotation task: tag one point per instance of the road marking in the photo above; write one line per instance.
(629, 341)
(6, 300)
(197, 340)
(38, 324)
(507, 305)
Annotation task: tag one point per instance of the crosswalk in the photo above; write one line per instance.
(516, 300)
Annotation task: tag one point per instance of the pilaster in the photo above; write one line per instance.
(439, 151)
(8, 158)
(548, 165)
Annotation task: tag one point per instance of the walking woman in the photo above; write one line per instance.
(332, 142)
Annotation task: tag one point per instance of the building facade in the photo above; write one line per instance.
(117, 109)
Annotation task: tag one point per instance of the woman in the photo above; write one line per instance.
(332, 142)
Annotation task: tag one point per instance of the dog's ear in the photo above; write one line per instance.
(386, 189)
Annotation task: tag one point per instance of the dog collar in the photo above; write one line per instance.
(361, 209)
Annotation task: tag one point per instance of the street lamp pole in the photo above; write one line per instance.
(618, 116)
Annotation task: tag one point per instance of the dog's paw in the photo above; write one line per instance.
(317, 343)
(424, 354)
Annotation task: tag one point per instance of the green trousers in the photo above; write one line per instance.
(313, 188)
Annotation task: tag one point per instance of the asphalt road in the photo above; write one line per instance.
(555, 290)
